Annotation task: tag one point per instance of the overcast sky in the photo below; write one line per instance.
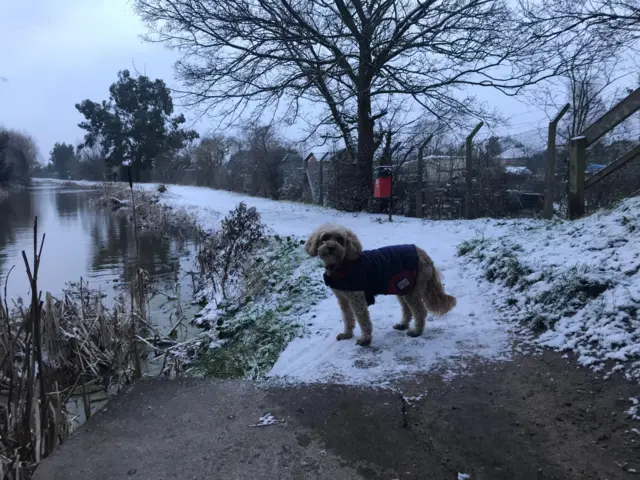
(56, 53)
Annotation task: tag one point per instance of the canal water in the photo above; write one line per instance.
(88, 242)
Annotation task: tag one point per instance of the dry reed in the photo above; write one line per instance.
(53, 348)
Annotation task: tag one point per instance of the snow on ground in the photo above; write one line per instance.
(472, 329)
(266, 420)
(81, 183)
(580, 280)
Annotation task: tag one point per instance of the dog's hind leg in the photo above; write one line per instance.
(347, 316)
(406, 314)
(417, 306)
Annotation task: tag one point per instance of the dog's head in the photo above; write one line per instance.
(333, 244)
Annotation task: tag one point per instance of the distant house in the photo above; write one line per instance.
(514, 156)
(293, 177)
(311, 167)
(436, 168)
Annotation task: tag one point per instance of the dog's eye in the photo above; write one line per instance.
(340, 240)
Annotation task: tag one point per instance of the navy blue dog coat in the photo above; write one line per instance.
(384, 271)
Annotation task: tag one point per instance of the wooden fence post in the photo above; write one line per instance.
(589, 136)
(577, 163)
(321, 179)
(549, 193)
(420, 189)
(469, 173)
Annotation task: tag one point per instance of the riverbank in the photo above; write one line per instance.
(67, 350)
(313, 355)
(8, 189)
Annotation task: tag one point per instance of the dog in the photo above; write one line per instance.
(356, 277)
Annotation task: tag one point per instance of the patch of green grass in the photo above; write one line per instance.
(257, 326)
(569, 292)
(573, 290)
(470, 246)
(252, 349)
(506, 268)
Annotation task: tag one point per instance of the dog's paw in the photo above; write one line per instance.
(401, 326)
(344, 336)
(364, 341)
(414, 333)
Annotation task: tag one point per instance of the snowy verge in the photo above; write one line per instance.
(471, 330)
(576, 282)
(246, 333)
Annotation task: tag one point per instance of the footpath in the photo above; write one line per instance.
(535, 417)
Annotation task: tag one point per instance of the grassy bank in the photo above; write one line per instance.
(575, 284)
(254, 286)
(246, 333)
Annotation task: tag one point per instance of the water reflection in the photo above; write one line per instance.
(81, 241)
(86, 241)
(16, 212)
(69, 204)
(115, 245)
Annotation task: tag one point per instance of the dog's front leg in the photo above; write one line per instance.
(347, 316)
(361, 309)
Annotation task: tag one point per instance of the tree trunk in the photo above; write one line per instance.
(366, 150)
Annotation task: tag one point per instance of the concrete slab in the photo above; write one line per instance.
(533, 418)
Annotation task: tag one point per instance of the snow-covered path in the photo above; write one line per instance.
(471, 329)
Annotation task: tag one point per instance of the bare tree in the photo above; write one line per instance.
(352, 58)
(210, 155)
(270, 157)
(615, 22)
(587, 85)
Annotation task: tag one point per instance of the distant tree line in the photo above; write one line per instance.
(136, 127)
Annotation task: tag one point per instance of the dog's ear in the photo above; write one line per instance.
(352, 245)
(311, 245)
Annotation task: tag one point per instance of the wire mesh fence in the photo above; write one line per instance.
(503, 175)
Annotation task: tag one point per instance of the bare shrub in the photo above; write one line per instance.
(223, 254)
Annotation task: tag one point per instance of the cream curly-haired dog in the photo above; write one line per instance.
(356, 276)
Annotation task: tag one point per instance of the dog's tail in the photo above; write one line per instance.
(437, 300)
